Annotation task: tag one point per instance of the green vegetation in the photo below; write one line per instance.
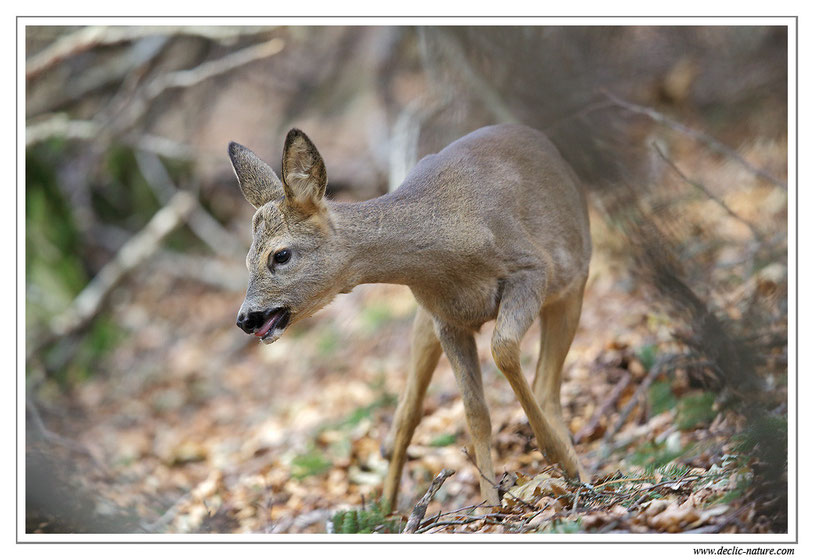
(443, 440)
(366, 520)
(661, 398)
(647, 356)
(54, 270)
(309, 464)
(695, 410)
(375, 316)
(564, 526)
(653, 455)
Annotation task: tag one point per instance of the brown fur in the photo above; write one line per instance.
(494, 226)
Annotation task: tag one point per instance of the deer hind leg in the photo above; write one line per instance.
(558, 324)
(520, 304)
(459, 346)
(424, 354)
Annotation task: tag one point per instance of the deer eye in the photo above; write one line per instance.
(282, 256)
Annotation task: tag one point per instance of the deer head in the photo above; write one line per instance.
(292, 262)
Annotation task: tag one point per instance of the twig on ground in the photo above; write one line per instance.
(492, 482)
(467, 521)
(576, 500)
(469, 507)
(421, 507)
(602, 411)
(654, 372)
(698, 135)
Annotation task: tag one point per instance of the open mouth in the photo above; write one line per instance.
(277, 321)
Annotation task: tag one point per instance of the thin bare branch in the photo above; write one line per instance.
(603, 409)
(201, 222)
(714, 144)
(195, 76)
(61, 126)
(755, 233)
(656, 370)
(475, 83)
(90, 37)
(492, 482)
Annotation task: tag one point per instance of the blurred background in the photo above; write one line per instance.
(149, 411)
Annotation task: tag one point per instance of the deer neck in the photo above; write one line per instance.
(381, 240)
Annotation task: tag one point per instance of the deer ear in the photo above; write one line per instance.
(304, 175)
(257, 180)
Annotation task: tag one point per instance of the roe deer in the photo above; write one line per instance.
(494, 226)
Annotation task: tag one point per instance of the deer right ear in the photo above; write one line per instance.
(304, 175)
(257, 180)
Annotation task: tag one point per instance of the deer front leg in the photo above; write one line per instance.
(424, 354)
(520, 304)
(459, 346)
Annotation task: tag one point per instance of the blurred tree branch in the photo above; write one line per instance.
(91, 37)
(201, 222)
(698, 135)
(755, 233)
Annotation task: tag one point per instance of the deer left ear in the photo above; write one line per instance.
(304, 175)
(257, 180)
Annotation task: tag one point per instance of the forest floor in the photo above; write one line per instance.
(190, 426)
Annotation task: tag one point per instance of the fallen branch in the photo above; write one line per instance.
(492, 482)
(603, 409)
(697, 135)
(421, 507)
(141, 246)
(469, 520)
(640, 393)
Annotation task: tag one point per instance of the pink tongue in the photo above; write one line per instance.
(266, 326)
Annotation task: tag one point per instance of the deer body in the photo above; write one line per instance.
(492, 227)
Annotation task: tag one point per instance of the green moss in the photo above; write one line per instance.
(695, 410)
(661, 398)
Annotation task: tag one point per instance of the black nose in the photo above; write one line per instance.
(251, 321)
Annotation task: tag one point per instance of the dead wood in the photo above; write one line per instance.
(421, 507)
